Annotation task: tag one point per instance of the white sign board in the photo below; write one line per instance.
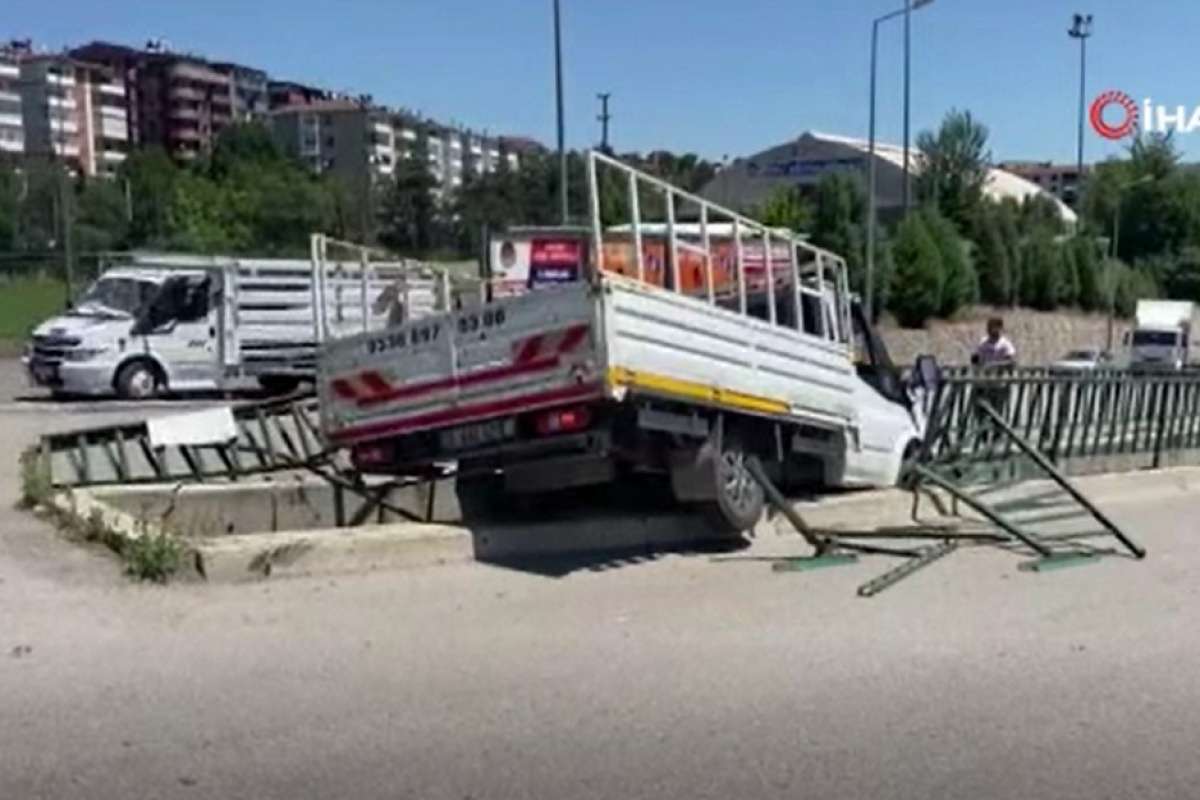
(211, 426)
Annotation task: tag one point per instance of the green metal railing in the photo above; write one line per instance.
(1146, 418)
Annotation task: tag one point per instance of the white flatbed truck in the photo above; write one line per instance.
(154, 323)
(586, 381)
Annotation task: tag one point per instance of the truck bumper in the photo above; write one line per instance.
(91, 380)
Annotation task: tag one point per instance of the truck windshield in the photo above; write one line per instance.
(1155, 338)
(123, 297)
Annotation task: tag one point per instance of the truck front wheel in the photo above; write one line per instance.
(137, 380)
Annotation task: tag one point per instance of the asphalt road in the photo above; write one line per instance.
(671, 677)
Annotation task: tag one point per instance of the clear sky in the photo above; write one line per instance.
(719, 77)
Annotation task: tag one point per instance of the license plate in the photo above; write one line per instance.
(478, 434)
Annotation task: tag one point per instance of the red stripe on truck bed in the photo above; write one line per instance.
(467, 413)
(470, 379)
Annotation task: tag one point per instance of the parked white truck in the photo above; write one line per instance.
(1165, 336)
(680, 353)
(154, 323)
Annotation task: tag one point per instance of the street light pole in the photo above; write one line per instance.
(872, 214)
(908, 6)
(558, 93)
(1081, 29)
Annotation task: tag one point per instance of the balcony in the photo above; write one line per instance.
(114, 129)
(113, 156)
(183, 134)
(11, 121)
(14, 145)
(185, 92)
(9, 71)
(66, 81)
(65, 103)
(409, 134)
(63, 126)
(114, 89)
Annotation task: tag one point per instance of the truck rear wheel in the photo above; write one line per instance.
(740, 499)
(138, 380)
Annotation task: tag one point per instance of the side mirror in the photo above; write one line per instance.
(927, 373)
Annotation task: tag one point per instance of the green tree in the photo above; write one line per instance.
(992, 257)
(101, 216)
(10, 199)
(1068, 270)
(151, 176)
(960, 284)
(1041, 269)
(787, 207)
(409, 214)
(1088, 265)
(955, 165)
(917, 286)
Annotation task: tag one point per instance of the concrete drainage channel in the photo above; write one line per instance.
(247, 530)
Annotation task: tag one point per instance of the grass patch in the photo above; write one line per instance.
(25, 302)
(152, 557)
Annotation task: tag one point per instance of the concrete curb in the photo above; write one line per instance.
(251, 557)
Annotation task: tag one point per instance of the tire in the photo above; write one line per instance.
(278, 385)
(740, 499)
(138, 380)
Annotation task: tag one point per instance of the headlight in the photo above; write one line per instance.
(83, 353)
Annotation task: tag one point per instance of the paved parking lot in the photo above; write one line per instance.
(668, 677)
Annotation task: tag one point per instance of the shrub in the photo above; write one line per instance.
(916, 291)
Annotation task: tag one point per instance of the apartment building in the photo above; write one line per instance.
(1060, 180)
(286, 94)
(354, 139)
(73, 111)
(176, 100)
(12, 120)
(249, 91)
(342, 137)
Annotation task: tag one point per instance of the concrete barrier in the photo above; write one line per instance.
(326, 550)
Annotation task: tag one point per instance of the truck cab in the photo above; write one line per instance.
(131, 331)
(1162, 336)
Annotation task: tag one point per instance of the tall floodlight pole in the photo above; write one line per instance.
(604, 117)
(558, 94)
(907, 101)
(1081, 29)
(872, 216)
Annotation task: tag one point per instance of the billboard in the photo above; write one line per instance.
(523, 262)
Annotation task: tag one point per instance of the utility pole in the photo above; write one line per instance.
(604, 118)
(1081, 29)
(558, 92)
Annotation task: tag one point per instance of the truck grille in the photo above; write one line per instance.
(49, 349)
